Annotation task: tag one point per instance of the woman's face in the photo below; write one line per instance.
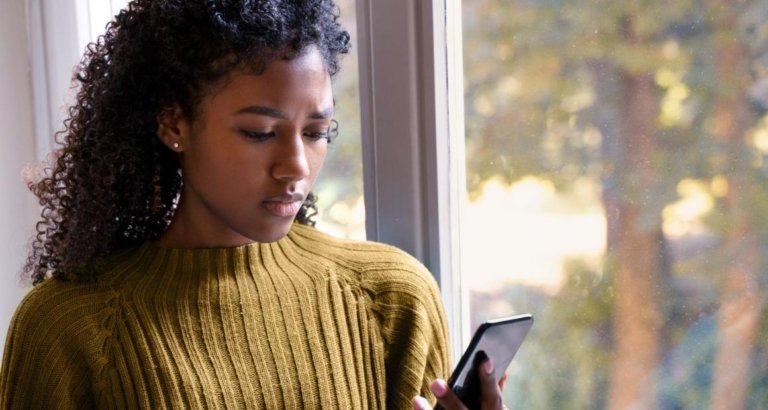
(252, 154)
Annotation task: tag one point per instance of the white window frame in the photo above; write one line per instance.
(411, 103)
(59, 30)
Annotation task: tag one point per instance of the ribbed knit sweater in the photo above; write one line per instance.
(306, 322)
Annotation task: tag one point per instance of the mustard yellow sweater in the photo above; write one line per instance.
(306, 322)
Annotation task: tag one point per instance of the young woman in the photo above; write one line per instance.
(175, 262)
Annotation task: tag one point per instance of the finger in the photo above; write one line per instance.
(420, 403)
(445, 396)
(503, 381)
(491, 393)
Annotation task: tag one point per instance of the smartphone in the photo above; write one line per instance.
(498, 339)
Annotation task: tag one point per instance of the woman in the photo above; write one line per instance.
(175, 262)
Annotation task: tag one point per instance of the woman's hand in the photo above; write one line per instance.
(490, 391)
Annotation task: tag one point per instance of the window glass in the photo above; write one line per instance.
(340, 185)
(93, 16)
(618, 190)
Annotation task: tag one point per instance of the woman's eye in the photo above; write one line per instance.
(317, 135)
(258, 136)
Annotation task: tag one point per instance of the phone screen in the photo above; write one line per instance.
(498, 339)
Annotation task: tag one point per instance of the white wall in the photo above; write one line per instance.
(17, 149)
(41, 41)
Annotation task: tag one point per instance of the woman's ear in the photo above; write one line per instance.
(172, 128)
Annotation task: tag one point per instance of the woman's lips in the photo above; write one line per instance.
(284, 205)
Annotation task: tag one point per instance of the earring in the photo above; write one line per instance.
(175, 145)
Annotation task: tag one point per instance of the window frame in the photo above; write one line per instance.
(412, 117)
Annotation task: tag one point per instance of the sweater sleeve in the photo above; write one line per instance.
(44, 361)
(414, 330)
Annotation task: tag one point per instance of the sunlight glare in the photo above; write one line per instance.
(512, 239)
(684, 217)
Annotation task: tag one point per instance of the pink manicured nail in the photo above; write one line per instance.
(420, 403)
(439, 388)
(488, 366)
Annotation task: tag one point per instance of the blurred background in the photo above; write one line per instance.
(618, 190)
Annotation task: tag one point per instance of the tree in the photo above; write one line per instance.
(637, 244)
(740, 308)
(627, 94)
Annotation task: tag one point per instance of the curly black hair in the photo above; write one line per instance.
(114, 184)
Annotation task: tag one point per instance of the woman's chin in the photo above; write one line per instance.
(273, 233)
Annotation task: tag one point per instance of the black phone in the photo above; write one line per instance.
(498, 339)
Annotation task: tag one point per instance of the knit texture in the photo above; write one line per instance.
(309, 321)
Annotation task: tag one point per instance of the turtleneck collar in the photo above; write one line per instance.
(157, 262)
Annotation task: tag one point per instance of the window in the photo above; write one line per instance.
(617, 190)
(92, 18)
(340, 185)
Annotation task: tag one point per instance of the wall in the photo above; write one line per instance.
(17, 149)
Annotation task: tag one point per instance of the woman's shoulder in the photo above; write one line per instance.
(56, 336)
(56, 304)
(362, 249)
(367, 255)
(381, 267)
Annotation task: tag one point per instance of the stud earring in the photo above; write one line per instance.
(176, 145)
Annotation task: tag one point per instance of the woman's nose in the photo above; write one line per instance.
(290, 162)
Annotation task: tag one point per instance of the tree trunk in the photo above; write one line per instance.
(637, 318)
(739, 313)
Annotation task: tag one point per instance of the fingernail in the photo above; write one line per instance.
(420, 403)
(488, 366)
(439, 388)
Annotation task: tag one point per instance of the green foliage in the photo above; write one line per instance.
(759, 387)
(531, 96)
(564, 361)
(546, 94)
(341, 181)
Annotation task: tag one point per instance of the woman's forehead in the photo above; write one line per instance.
(296, 85)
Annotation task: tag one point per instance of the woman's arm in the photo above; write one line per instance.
(407, 302)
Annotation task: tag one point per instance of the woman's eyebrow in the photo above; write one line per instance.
(274, 112)
(261, 110)
(321, 115)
